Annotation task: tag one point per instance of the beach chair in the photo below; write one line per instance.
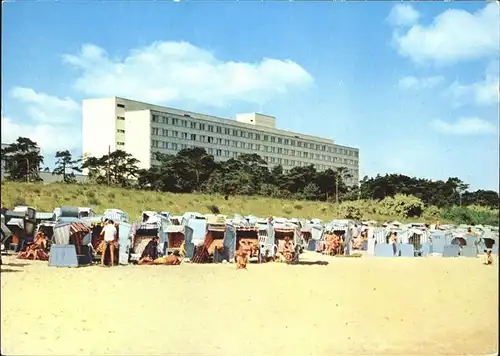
(451, 251)
(371, 247)
(311, 245)
(63, 256)
(471, 240)
(425, 250)
(494, 250)
(438, 244)
(469, 251)
(384, 250)
(406, 250)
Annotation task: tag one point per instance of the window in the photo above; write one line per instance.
(226, 153)
(120, 143)
(227, 131)
(175, 133)
(218, 152)
(257, 136)
(210, 128)
(257, 147)
(184, 135)
(292, 142)
(120, 106)
(193, 125)
(193, 137)
(235, 132)
(299, 143)
(154, 143)
(174, 146)
(287, 141)
(250, 135)
(227, 142)
(234, 143)
(210, 139)
(280, 140)
(243, 134)
(184, 123)
(218, 129)
(120, 131)
(285, 151)
(202, 126)
(120, 118)
(154, 131)
(273, 139)
(235, 154)
(165, 132)
(280, 150)
(266, 138)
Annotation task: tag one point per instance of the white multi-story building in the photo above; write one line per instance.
(142, 129)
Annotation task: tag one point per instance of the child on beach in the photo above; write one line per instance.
(488, 258)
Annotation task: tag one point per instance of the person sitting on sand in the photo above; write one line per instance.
(488, 258)
(109, 233)
(37, 249)
(150, 253)
(170, 260)
(288, 250)
(241, 257)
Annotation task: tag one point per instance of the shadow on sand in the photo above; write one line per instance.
(312, 263)
(16, 264)
(8, 270)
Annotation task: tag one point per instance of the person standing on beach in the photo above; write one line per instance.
(109, 232)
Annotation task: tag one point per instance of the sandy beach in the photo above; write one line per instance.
(425, 306)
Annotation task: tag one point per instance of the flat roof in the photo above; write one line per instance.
(159, 108)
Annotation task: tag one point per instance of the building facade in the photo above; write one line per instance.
(142, 129)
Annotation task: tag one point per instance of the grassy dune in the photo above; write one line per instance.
(46, 197)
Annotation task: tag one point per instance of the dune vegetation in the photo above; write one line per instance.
(46, 197)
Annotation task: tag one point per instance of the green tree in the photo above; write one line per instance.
(118, 168)
(65, 162)
(23, 160)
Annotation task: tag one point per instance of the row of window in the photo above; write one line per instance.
(256, 147)
(271, 160)
(246, 134)
(239, 144)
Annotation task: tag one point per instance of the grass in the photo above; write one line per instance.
(46, 197)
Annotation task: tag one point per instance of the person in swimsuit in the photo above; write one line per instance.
(109, 233)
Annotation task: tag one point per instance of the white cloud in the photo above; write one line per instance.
(45, 108)
(164, 72)
(411, 82)
(48, 137)
(403, 15)
(483, 93)
(465, 126)
(53, 123)
(454, 35)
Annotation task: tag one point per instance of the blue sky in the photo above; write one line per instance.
(413, 85)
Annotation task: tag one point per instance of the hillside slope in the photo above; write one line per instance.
(46, 197)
